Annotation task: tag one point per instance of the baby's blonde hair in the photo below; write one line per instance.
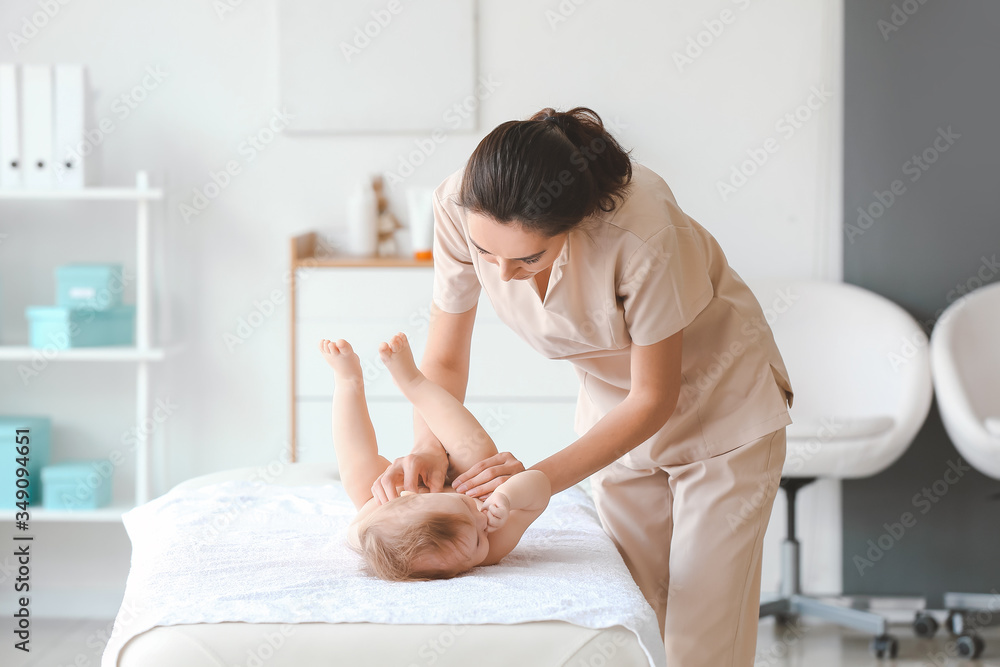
(390, 548)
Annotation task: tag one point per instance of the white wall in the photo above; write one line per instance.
(219, 85)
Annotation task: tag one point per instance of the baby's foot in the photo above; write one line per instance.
(398, 359)
(342, 358)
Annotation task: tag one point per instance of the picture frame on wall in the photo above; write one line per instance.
(378, 66)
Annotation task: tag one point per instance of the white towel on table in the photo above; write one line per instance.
(254, 553)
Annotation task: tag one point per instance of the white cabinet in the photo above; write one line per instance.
(525, 401)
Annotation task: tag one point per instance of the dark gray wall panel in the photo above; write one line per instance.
(904, 89)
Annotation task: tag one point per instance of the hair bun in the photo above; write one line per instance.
(509, 176)
(548, 113)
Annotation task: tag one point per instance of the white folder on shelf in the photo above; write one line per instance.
(67, 162)
(36, 111)
(11, 162)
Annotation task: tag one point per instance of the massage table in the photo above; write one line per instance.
(542, 642)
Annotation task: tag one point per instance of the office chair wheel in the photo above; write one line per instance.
(885, 646)
(955, 623)
(925, 625)
(969, 646)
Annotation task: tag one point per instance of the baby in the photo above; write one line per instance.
(427, 535)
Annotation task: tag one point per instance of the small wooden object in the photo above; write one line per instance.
(387, 224)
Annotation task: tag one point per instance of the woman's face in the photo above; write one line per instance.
(518, 253)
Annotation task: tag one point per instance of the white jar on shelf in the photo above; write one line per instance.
(362, 221)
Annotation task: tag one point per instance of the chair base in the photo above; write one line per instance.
(857, 617)
(975, 602)
(848, 617)
(793, 603)
(967, 612)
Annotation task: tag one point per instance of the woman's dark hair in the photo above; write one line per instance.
(546, 173)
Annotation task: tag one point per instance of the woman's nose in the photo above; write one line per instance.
(507, 269)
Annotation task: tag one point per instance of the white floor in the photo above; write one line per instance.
(80, 643)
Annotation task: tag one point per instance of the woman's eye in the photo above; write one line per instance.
(526, 261)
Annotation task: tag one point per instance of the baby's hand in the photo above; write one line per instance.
(496, 509)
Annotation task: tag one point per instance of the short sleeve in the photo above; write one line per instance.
(456, 285)
(665, 284)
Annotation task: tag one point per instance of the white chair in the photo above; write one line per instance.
(965, 359)
(859, 367)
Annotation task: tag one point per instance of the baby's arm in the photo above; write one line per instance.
(527, 494)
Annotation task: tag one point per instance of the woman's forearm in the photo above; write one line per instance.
(622, 429)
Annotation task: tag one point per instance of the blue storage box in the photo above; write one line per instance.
(96, 286)
(63, 328)
(77, 485)
(39, 446)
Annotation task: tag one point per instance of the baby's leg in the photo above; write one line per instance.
(353, 434)
(463, 437)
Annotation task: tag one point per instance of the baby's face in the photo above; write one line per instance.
(473, 547)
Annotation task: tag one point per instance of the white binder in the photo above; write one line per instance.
(36, 110)
(11, 162)
(67, 161)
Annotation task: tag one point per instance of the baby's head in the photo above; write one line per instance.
(420, 536)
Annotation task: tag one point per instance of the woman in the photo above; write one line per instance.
(684, 396)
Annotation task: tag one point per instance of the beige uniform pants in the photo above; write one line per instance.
(692, 536)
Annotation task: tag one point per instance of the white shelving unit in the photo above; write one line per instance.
(108, 353)
(142, 354)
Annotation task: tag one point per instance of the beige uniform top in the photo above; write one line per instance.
(636, 275)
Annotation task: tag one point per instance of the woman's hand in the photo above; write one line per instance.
(496, 509)
(488, 474)
(418, 472)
